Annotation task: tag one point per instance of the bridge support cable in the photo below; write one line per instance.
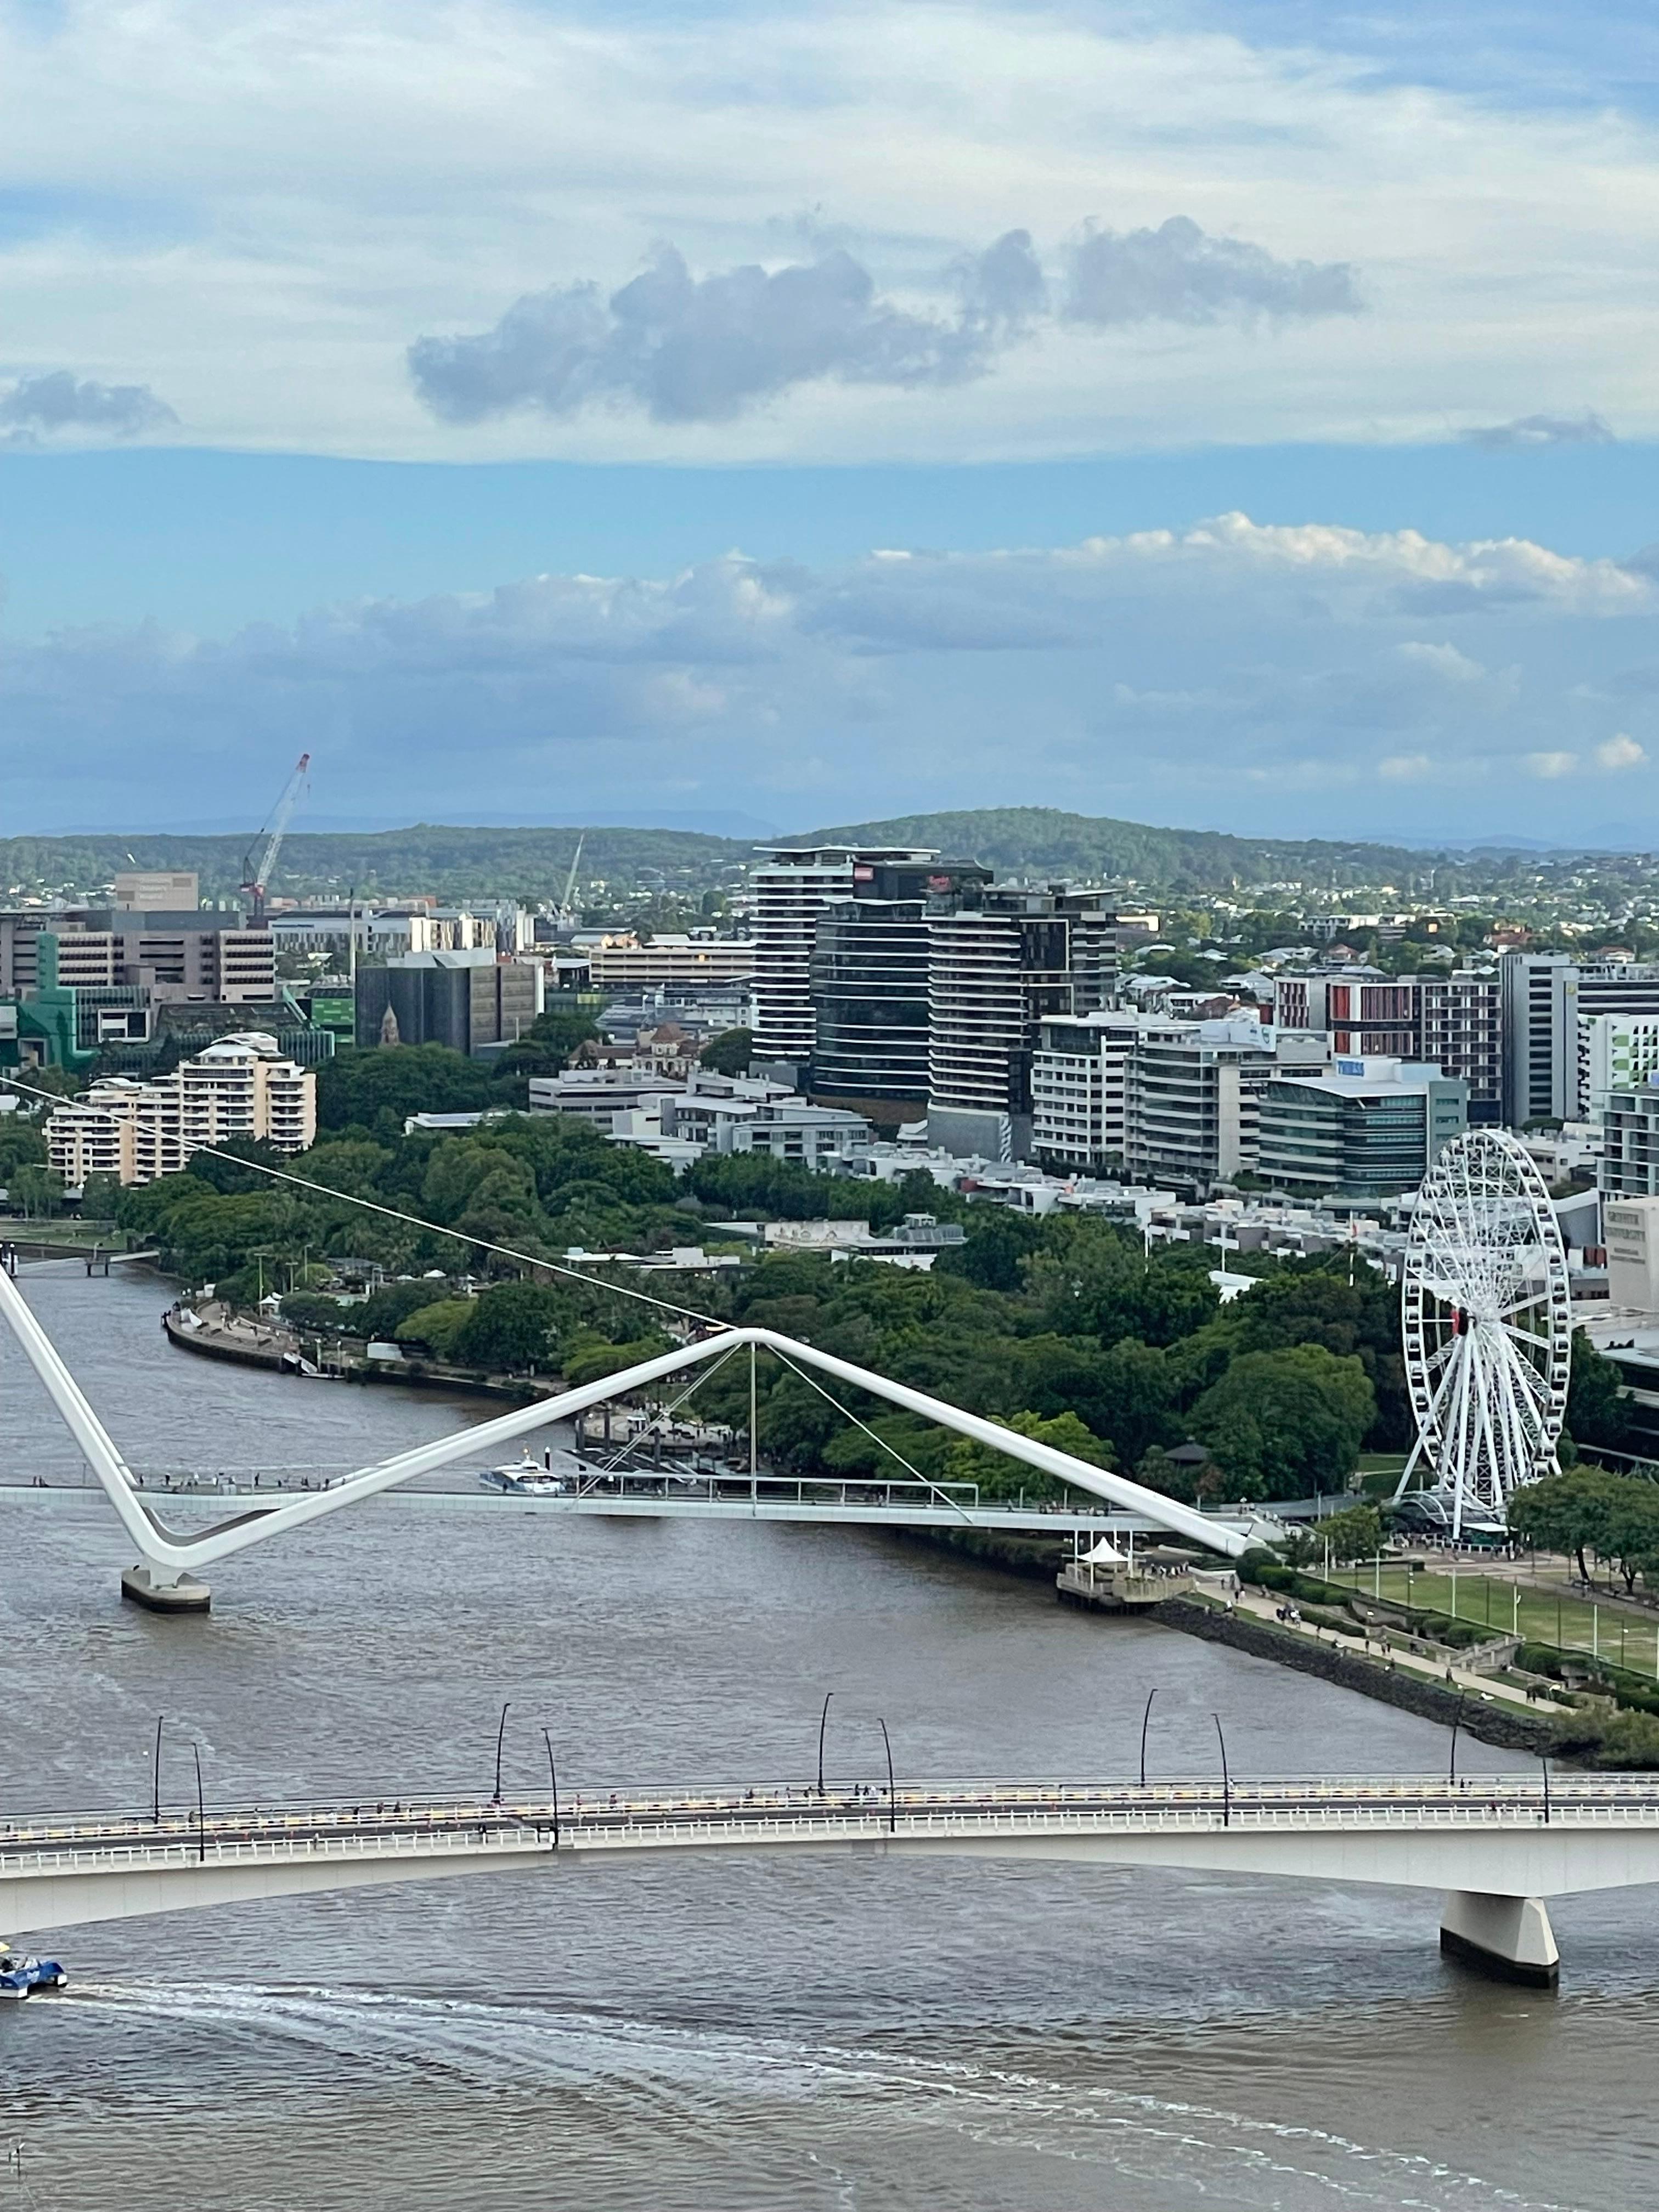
(939, 1496)
(667, 1413)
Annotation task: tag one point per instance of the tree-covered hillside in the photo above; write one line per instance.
(1035, 840)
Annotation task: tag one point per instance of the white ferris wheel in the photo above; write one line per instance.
(1487, 1325)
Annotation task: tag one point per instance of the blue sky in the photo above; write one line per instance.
(517, 404)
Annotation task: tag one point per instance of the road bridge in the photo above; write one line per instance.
(167, 1573)
(1495, 1847)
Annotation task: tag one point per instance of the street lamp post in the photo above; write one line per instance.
(892, 1794)
(201, 1809)
(155, 1779)
(553, 1776)
(1226, 1779)
(1451, 1770)
(500, 1737)
(1547, 1792)
(1145, 1718)
(824, 1722)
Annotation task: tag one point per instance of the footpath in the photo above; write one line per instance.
(1436, 1686)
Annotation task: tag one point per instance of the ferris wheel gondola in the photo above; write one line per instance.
(1487, 1319)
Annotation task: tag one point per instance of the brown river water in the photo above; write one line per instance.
(718, 2033)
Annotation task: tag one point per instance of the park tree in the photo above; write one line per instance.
(995, 1249)
(378, 1089)
(1283, 1424)
(1000, 1476)
(1356, 1533)
(1588, 1511)
(1090, 1277)
(728, 1053)
(35, 1191)
(511, 1329)
(437, 1327)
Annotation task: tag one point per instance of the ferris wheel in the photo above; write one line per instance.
(1487, 1326)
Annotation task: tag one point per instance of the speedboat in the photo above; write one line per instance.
(529, 1479)
(21, 1977)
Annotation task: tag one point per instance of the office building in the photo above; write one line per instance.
(1630, 1226)
(1454, 1021)
(475, 1002)
(240, 1087)
(190, 954)
(1367, 1128)
(1628, 1122)
(1617, 1052)
(170, 891)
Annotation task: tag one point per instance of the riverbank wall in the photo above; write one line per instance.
(1432, 1701)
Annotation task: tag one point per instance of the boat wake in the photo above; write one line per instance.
(849, 2110)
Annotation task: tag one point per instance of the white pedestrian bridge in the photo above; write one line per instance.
(170, 1558)
(1495, 1847)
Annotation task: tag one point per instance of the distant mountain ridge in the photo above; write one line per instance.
(1028, 841)
(1038, 842)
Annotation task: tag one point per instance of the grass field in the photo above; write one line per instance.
(1541, 1614)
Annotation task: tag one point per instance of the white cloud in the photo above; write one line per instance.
(1442, 660)
(254, 213)
(1163, 675)
(1620, 752)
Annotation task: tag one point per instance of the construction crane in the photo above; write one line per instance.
(565, 911)
(254, 880)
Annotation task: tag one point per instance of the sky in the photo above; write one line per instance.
(1233, 413)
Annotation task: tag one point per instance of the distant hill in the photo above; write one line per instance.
(1037, 843)
(1035, 840)
(453, 863)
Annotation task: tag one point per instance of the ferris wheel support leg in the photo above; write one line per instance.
(1415, 1454)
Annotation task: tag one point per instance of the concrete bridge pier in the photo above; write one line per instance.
(1508, 1937)
(164, 1590)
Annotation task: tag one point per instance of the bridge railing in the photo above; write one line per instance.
(792, 1812)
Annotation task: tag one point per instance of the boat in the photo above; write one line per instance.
(530, 1478)
(22, 1977)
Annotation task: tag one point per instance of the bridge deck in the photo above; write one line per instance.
(640, 1500)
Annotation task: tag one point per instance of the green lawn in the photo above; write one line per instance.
(1572, 1624)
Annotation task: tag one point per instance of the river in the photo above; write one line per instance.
(720, 2034)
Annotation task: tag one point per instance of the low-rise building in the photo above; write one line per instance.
(240, 1087)
(475, 1001)
(618, 961)
(1371, 1128)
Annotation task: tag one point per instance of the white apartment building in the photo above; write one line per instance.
(1193, 1095)
(1080, 1091)
(1547, 996)
(1615, 1051)
(791, 888)
(239, 1087)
